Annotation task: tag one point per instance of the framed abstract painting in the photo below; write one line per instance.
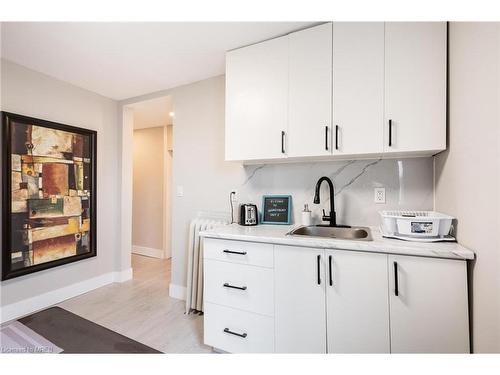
(49, 194)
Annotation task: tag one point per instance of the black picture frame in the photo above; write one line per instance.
(7, 120)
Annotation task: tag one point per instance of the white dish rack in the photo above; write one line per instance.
(416, 224)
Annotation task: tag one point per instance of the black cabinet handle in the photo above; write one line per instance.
(234, 252)
(336, 137)
(396, 286)
(282, 142)
(243, 335)
(390, 133)
(330, 269)
(319, 266)
(227, 285)
(326, 138)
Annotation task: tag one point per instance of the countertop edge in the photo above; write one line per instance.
(399, 247)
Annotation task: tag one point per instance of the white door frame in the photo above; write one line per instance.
(125, 118)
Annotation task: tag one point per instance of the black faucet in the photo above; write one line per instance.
(332, 218)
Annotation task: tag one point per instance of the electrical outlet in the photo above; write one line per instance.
(234, 195)
(380, 195)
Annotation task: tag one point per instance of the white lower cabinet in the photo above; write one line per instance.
(357, 302)
(240, 286)
(238, 331)
(299, 281)
(251, 253)
(310, 300)
(428, 305)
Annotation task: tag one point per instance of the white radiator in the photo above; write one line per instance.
(194, 292)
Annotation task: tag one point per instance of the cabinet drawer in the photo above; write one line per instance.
(240, 286)
(256, 254)
(256, 331)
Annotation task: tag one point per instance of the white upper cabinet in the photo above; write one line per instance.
(257, 101)
(342, 90)
(415, 87)
(357, 302)
(428, 305)
(310, 92)
(358, 88)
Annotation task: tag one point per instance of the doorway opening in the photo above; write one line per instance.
(152, 157)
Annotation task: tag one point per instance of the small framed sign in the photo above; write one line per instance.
(277, 209)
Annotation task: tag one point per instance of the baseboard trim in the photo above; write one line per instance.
(30, 305)
(177, 291)
(148, 251)
(122, 276)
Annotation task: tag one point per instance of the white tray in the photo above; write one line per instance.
(419, 239)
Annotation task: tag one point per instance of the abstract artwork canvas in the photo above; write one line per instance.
(49, 194)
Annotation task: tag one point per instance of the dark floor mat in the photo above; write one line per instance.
(75, 334)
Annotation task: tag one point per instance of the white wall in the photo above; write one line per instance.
(467, 173)
(126, 162)
(169, 162)
(148, 190)
(199, 167)
(33, 94)
(198, 162)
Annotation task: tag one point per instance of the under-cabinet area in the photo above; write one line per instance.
(339, 90)
(280, 298)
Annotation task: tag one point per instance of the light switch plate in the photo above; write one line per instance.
(379, 195)
(180, 191)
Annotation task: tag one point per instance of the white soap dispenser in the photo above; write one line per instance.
(306, 215)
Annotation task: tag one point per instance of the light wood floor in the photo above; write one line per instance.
(142, 309)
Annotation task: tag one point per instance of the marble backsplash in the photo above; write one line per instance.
(408, 184)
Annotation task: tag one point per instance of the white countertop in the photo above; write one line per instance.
(277, 234)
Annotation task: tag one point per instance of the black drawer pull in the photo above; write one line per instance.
(234, 252)
(243, 335)
(396, 282)
(336, 137)
(390, 133)
(330, 269)
(326, 138)
(227, 285)
(282, 142)
(319, 269)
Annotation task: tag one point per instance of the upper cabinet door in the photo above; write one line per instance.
(310, 92)
(357, 302)
(428, 305)
(415, 93)
(257, 101)
(299, 290)
(358, 88)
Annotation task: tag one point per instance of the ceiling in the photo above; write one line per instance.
(121, 60)
(152, 113)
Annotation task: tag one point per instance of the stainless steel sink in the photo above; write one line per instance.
(353, 233)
